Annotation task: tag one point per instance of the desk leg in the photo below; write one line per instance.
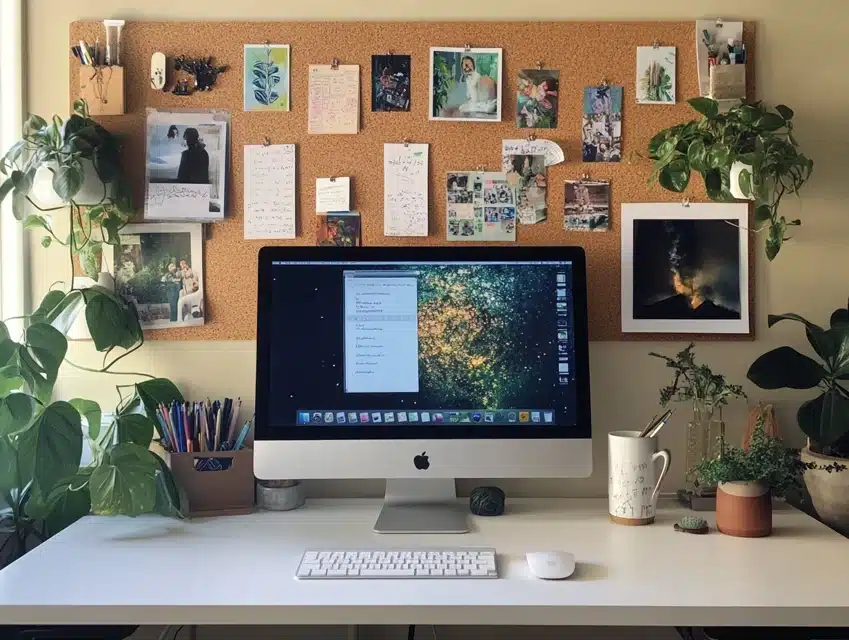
(353, 632)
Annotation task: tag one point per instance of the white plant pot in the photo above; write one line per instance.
(829, 490)
(734, 180)
(79, 330)
(91, 192)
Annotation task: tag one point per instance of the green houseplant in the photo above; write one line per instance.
(42, 481)
(748, 152)
(746, 479)
(823, 419)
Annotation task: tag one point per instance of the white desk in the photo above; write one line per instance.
(239, 570)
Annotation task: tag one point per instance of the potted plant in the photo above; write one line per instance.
(746, 480)
(749, 152)
(824, 419)
(42, 480)
(708, 392)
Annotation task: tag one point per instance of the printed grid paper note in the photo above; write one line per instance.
(332, 194)
(548, 148)
(405, 189)
(334, 99)
(269, 191)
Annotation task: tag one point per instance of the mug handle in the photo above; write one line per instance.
(667, 459)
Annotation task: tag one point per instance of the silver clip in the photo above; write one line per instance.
(389, 53)
(532, 137)
(334, 64)
(406, 142)
(467, 47)
(266, 142)
(685, 202)
(655, 44)
(332, 178)
(719, 23)
(585, 177)
(480, 167)
(539, 65)
(604, 83)
(268, 43)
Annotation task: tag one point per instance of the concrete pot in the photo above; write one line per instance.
(829, 490)
(744, 509)
(734, 180)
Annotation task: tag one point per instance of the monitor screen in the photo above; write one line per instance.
(481, 346)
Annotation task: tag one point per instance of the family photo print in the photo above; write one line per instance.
(465, 84)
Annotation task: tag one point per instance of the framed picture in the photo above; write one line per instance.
(685, 269)
(465, 84)
(159, 269)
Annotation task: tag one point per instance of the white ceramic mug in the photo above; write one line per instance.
(632, 484)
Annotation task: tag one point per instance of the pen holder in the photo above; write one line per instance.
(103, 90)
(216, 483)
(728, 82)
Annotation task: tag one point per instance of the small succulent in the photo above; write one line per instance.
(692, 524)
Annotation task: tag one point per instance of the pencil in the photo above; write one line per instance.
(219, 416)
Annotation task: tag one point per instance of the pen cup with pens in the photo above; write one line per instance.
(101, 71)
(208, 456)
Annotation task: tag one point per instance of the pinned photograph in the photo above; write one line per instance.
(465, 84)
(390, 83)
(536, 99)
(602, 125)
(266, 77)
(159, 270)
(685, 268)
(185, 165)
(338, 229)
(587, 206)
(527, 175)
(481, 206)
(656, 75)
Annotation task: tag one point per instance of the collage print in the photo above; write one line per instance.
(481, 207)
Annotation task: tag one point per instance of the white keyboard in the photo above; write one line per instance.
(451, 564)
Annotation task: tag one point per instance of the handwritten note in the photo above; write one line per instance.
(332, 194)
(168, 201)
(405, 189)
(548, 148)
(334, 99)
(269, 191)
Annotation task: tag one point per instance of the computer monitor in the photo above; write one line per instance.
(421, 365)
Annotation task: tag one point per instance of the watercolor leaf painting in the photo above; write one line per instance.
(266, 77)
(656, 84)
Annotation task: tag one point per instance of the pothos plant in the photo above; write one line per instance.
(41, 440)
(749, 134)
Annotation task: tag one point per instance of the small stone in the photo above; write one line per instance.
(692, 524)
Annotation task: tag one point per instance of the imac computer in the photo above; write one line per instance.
(421, 365)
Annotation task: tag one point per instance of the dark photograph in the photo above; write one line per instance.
(390, 83)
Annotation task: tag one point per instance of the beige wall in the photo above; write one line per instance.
(798, 62)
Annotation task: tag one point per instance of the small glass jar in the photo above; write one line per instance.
(704, 434)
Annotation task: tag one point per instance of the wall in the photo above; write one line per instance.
(808, 277)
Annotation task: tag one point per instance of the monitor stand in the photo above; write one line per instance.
(421, 506)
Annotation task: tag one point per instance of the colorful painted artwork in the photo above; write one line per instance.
(465, 84)
(656, 75)
(390, 83)
(602, 126)
(266, 77)
(536, 99)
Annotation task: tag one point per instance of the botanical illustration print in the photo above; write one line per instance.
(266, 77)
(656, 75)
(536, 99)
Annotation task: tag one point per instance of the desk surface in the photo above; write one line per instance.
(239, 570)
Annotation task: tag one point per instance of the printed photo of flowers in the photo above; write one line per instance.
(266, 77)
(536, 99)
(656, 75)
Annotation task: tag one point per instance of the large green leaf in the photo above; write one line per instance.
(762, 213)
(8, 347)
(53, 443)
(697, 155)
(774, 240)
(718, 156)
(20, 205)
(784, 111)
(135, 428)
(125, 483)
(8, 466)
(48, 303)
(91, 412)
(33, 124)
(16, 412)
(110, 321)
(66, 503)
(770, 122)
(6, 188)
(155, 392)
(91, 256)
(832, 345)
(10, 380)
(676, 175)
(67, 180)
(785, 367)
(168, 496)
(825, 419)
(40, 358)
(705, 106)
(64, 314)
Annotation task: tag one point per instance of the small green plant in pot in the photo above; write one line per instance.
(823, 419)
(748, 152)
(746, 480)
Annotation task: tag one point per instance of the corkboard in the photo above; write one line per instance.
(584, 52)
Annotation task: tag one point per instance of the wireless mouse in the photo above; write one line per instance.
(551, 565)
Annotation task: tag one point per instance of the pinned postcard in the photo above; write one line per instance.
(338, 229)
(405, 189)
(269, 191)
(481, 207)
(332, 194)
(390, 83)
(586, 206)
(656, 75)
(527, 174)
(522, 147)
(536, 99)
(602, 124)
(185, 165)
(334, 98)
(266, 77)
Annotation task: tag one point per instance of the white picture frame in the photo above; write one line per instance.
(724, 229)
(468, 108)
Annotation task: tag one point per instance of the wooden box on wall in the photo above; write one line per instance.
(103, 89)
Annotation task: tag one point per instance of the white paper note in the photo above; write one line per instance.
(405, 189)
(177, 201)
(269, 191)
(332, 194)
(548, 148)
(334, 99)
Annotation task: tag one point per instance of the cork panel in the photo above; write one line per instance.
(584, 52)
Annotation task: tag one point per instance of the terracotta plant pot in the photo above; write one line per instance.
(744, 509)
(829, 490)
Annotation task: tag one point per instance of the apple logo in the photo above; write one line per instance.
(421, 462)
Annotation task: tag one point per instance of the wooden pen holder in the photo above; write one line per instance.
(728, 82)
(220, 492)
(103, 90)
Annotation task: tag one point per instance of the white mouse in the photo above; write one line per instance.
(551, 565)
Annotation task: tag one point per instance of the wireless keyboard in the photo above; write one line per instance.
(355, 564)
